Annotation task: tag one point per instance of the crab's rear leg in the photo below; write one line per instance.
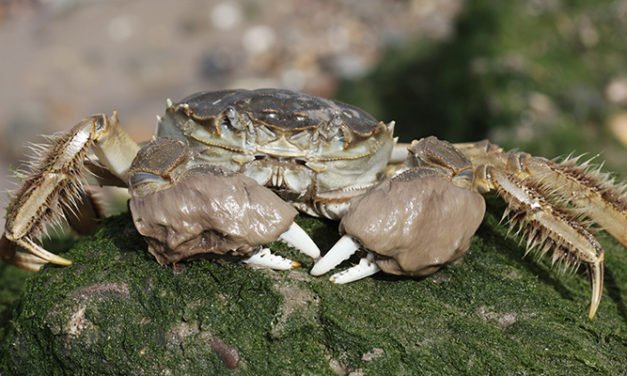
(55, 185)
(546, 201)
(594, 193)
(186, 208)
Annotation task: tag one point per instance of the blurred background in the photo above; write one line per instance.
(546, 76)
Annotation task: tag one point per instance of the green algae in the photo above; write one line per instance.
(116, 311)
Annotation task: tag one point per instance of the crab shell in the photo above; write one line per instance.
(315, 153)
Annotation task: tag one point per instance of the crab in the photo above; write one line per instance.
(228, 171)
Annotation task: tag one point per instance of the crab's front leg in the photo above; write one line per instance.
(55, 186)
(411, 224)
(186, 208)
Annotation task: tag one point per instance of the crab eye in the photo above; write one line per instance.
(100, 123)
(229, 118)
(270, 115)
(230, 113)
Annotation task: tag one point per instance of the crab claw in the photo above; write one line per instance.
(341, 251)
(411, 224)
(266, 259)
(366, 267)
(296, 237)
(185, 209)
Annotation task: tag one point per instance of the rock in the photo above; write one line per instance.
(116, 311)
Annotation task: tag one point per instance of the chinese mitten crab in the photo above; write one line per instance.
(227, 170)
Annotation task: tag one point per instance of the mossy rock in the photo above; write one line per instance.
(116, 311)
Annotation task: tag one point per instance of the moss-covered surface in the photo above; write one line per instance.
(116, 311)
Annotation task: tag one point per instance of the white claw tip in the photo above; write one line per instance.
(266, 259)
(296, 237)
(366, 267)
(341, 251)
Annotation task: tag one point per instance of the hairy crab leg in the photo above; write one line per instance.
(55, 185)
(547, 199)
(266, 259)
(549, 228)
(593, 192)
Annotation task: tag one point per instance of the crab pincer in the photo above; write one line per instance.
(411, 224)
(185, 209)
(421, 234)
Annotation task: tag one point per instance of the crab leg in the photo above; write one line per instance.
(549, 228)
(11, 254)
(55, 185)
(84, 218)
(593, 192)
(546, 200)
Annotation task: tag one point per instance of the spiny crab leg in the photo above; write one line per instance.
(266, 259)
(594, 193)
(547, 199)
(55, 186)
(591, 191)
(296, 237)
(342, 250)
(549, 228)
